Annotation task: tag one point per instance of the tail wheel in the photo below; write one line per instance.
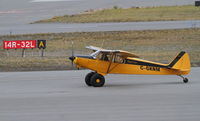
(88, 78)
(185, 80)
(97, 80)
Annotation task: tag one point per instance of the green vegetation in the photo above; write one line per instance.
(117, 14)
(157, 45)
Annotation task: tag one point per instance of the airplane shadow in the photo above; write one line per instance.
(135, 85)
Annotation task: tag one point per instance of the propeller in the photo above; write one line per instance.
(72, 57)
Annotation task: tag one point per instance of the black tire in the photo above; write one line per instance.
(97, 80)
(88, 77)
(185, 80)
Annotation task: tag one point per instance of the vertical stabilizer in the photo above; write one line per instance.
(181, 62)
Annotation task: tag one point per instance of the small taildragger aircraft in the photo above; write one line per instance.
(103, 62)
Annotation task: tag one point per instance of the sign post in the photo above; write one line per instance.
(7, 53)
(23, 52)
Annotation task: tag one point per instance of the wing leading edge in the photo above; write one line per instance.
(119, 52)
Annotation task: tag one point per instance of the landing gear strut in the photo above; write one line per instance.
(185, 80)
(94, 79)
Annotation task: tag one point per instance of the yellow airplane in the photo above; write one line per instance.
(103, 62)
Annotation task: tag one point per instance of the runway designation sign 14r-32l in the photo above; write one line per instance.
(20, 44)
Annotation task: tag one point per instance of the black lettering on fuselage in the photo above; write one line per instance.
(150, 68)
(142, 67)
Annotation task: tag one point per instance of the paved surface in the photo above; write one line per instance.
(15, 15)
(92, 27)
(13, 12)
(63, 96)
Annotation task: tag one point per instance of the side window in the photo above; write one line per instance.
(118, 59)
(104, 56)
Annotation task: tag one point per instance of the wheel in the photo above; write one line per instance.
(88, 77)
(185, 80)
(97, 80)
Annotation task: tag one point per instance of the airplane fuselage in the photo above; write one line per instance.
(128, 67)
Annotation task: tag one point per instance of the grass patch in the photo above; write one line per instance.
(116, 14)
(155, 45)
(33, 63)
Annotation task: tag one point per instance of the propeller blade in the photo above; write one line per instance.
(72, 48)
(72, 57)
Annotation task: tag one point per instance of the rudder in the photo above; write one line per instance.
(181, 62)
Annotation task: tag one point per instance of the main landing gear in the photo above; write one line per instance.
(94, 79)
(185, 80)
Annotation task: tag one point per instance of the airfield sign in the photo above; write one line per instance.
(19, 44)
(41, 44)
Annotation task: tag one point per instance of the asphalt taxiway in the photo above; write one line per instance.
(14, 12)
(16, 16)
(94, 27)
(63, 96)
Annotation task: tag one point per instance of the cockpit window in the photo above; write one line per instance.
(104, 56)
(118, 59)
(108, 56)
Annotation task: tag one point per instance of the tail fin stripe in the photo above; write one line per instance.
(176, 59)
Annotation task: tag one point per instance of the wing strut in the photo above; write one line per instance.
(111, 59)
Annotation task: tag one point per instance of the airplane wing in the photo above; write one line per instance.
(121, 53)
(126, 54)
(94, 48)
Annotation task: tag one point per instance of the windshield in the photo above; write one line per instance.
(95, 54)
